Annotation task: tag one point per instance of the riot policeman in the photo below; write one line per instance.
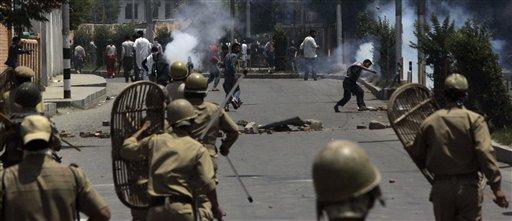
(346, 182)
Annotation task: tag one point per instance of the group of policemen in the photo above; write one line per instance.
(34, 184)
(182, 160)
(453, 143)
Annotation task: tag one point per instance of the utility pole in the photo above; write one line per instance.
(150, 26)
(421, 56)
(248, 18)
(398, 39)
(66, 52)
(232, 11)
(339, 31)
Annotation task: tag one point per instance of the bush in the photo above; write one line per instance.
(82, 37)
(101, 36)
(503, 136)
(474, 58)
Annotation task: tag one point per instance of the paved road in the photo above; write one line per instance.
(277, 168)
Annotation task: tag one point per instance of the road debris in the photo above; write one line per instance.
(288, 125)
(97, 134)
(65, 134)
(106, 123)
(251, 128)
(242, 123)
(376, 125)
(361, 127)
(314, 124)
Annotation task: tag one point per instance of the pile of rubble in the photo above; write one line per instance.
(288, 125)
(64, 134)
(380, 108)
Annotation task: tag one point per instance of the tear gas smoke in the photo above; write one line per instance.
(202, 23)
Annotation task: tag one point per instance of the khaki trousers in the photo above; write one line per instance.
(457, 199)
(171, 212)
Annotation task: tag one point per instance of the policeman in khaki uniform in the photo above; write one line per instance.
(22, 74)
(196, 87)
(179, 73)
(40, 189)
(455, 145)
(346, 182)
(178, 165)
(27, 98)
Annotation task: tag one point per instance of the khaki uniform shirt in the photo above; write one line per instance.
(455, 141)
(41, 189)
(177, 165)
(206, 110)
(175, 90)
(9, 106)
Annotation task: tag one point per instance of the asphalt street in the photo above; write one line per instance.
(277, 167)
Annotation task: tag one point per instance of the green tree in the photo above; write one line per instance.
(280, 45)
(383, 34)
(79, 12)
(474, 58)
(164, 36)
(436, 45)
(19, 13)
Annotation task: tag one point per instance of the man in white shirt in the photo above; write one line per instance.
(79, 58)
(111, 57)
(142, 51)
(309, 47)
(244, 54)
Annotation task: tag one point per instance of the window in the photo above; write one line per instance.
(128, 11)
(168, 10)
(155, 12)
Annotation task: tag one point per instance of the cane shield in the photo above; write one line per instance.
(137, 103)
(408, 107)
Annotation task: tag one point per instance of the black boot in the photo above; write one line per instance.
(336, 108)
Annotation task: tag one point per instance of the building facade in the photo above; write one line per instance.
(134, 10)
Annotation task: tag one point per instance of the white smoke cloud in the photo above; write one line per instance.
(182, 47)
(365, 51)
(202, 24)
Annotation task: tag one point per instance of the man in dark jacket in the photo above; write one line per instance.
(14, 50)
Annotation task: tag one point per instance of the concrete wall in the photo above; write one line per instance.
(51, 45)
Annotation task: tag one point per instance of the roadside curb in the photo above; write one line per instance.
(86, 90)
(96, 94)
(503, 153)
(50, 109)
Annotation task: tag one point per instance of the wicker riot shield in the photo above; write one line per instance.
(137, 103)
(408, 107)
